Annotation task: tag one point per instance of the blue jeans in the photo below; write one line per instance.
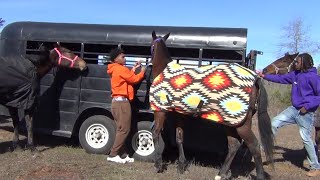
(305, 123)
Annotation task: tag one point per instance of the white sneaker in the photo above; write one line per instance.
(116, 159)
(129, 159)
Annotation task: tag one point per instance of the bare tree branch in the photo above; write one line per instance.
(295, 38)
(1, 22)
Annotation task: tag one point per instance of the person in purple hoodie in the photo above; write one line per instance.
(305, 99)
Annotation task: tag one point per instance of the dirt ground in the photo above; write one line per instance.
(62, 158)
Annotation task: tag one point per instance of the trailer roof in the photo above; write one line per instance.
(193, 37)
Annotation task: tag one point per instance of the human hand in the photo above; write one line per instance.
(137, 64)
(303, 110)
(260, 73)
(143, 69)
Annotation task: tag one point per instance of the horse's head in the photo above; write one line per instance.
(282, 65)
(160, 56)
(63, 57)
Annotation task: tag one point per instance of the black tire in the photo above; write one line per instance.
(141, 144)
(97, 134)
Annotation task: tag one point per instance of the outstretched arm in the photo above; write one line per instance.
(283, 79)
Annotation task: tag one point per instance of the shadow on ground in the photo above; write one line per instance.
(294, 156)
(42, 141)
(241, 166)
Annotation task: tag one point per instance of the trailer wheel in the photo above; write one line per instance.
(97, 134)
(141, 142)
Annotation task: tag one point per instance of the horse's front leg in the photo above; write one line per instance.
(15, 121)
(159, 118)
(317, 139)
(29, 124)
(182, 164)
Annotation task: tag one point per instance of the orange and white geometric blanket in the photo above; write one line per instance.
(218, 92)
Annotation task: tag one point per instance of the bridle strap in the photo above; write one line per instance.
(285, 68)
(152, 46)
(64, 57)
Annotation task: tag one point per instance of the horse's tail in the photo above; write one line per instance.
(264, 123)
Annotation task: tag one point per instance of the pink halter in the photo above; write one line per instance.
(64, 57)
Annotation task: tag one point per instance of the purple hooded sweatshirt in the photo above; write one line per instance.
(305, 87)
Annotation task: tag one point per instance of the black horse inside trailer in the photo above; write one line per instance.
(78, 104)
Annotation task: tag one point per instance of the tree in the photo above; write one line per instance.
(1, 22)
(295, 37)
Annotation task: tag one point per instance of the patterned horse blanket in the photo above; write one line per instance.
(18, 82)
(219, 93)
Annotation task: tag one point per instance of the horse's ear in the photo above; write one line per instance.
(56, 45)
(154, 36)
(286, 54)
(166, 36)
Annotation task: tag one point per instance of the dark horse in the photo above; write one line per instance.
(235, 132)
(19, 77)
(285, 65)
(282, 65)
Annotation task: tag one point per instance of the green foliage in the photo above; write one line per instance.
(285, 97)
(279, 95)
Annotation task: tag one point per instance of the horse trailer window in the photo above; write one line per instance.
(97, 53)
(188, 63)
(74, 47)
(33, 46)
(131, 60)
(222, 55)
(140, 51)
(181, 53)
(98, 48)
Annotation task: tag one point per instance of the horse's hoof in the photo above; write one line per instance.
(34, 150)
(159, 170)
(181, 169)
(16, 148)
(217, 178)
(35, 153)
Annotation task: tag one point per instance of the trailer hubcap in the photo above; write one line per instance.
(142, 143)
(97, 136)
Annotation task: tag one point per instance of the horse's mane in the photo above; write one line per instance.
(39, 58)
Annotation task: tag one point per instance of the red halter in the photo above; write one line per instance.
(64, 57)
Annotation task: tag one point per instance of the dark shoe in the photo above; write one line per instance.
(313, 172)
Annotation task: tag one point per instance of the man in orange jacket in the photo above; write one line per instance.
(122, 81)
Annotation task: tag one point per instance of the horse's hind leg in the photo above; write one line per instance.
(251, 141)
(29, 124)
(182, 164)
(159, 118)
(233, 146)
(15, 121)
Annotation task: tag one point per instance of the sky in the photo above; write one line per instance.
(263, 18)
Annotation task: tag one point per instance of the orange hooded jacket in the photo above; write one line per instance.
(122, 79)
